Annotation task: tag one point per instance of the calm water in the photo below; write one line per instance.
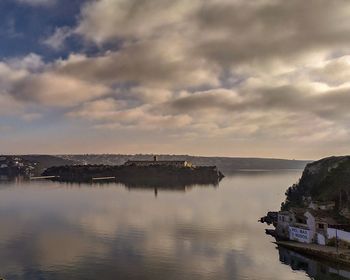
(57, 231)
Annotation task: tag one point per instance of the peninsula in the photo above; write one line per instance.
(139, 172)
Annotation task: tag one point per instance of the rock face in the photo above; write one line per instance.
(327, 179)
(151, 176)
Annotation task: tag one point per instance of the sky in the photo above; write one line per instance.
(266, 78)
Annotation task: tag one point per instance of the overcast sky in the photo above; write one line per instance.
(266, 78)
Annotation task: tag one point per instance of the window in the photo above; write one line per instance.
(321, 226)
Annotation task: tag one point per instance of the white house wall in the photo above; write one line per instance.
(342, 235)
(321, 240)
(300, 235)
(311, 223)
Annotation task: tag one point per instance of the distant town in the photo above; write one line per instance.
(12, 166)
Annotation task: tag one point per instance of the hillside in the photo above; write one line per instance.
(327, 179)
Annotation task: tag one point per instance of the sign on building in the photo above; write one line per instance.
(299, 234)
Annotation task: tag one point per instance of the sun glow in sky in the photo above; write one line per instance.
(267, 78)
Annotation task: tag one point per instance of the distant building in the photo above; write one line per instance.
(156, 162)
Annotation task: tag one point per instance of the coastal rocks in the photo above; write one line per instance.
(270, 218)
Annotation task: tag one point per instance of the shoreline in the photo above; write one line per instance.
(322, 252)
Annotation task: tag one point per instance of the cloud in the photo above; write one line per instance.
(30, 62)
(9, 75)
(108, 113)
(261, 70)
(55, 90)
(29, 80)
(273, 30)
(112, 19)
(334, 72)
(153, 64)
(330, 105)
(9, 105)
(57, 39)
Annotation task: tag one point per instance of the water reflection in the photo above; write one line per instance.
(56, 231)
(315, 269)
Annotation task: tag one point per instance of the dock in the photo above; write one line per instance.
(329, 253)
(43, 177)
(103, 178)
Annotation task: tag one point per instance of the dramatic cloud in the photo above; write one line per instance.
(260, 72)
(28, 79)
(56, 90)
(112, 19)
(147, 63)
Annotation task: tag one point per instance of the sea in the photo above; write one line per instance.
(51, 230)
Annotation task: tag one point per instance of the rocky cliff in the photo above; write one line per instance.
(327, 179)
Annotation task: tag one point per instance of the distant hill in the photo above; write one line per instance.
(327, 179)
(225, 164)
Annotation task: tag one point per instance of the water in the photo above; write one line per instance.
(58, 231)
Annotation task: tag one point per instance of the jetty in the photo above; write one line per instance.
(103, 178)
(43, 178)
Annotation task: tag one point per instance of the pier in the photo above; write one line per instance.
(103, 178)
(43, 177)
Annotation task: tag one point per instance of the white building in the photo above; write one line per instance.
(300, 228)
(306, 226)
(283, 222)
